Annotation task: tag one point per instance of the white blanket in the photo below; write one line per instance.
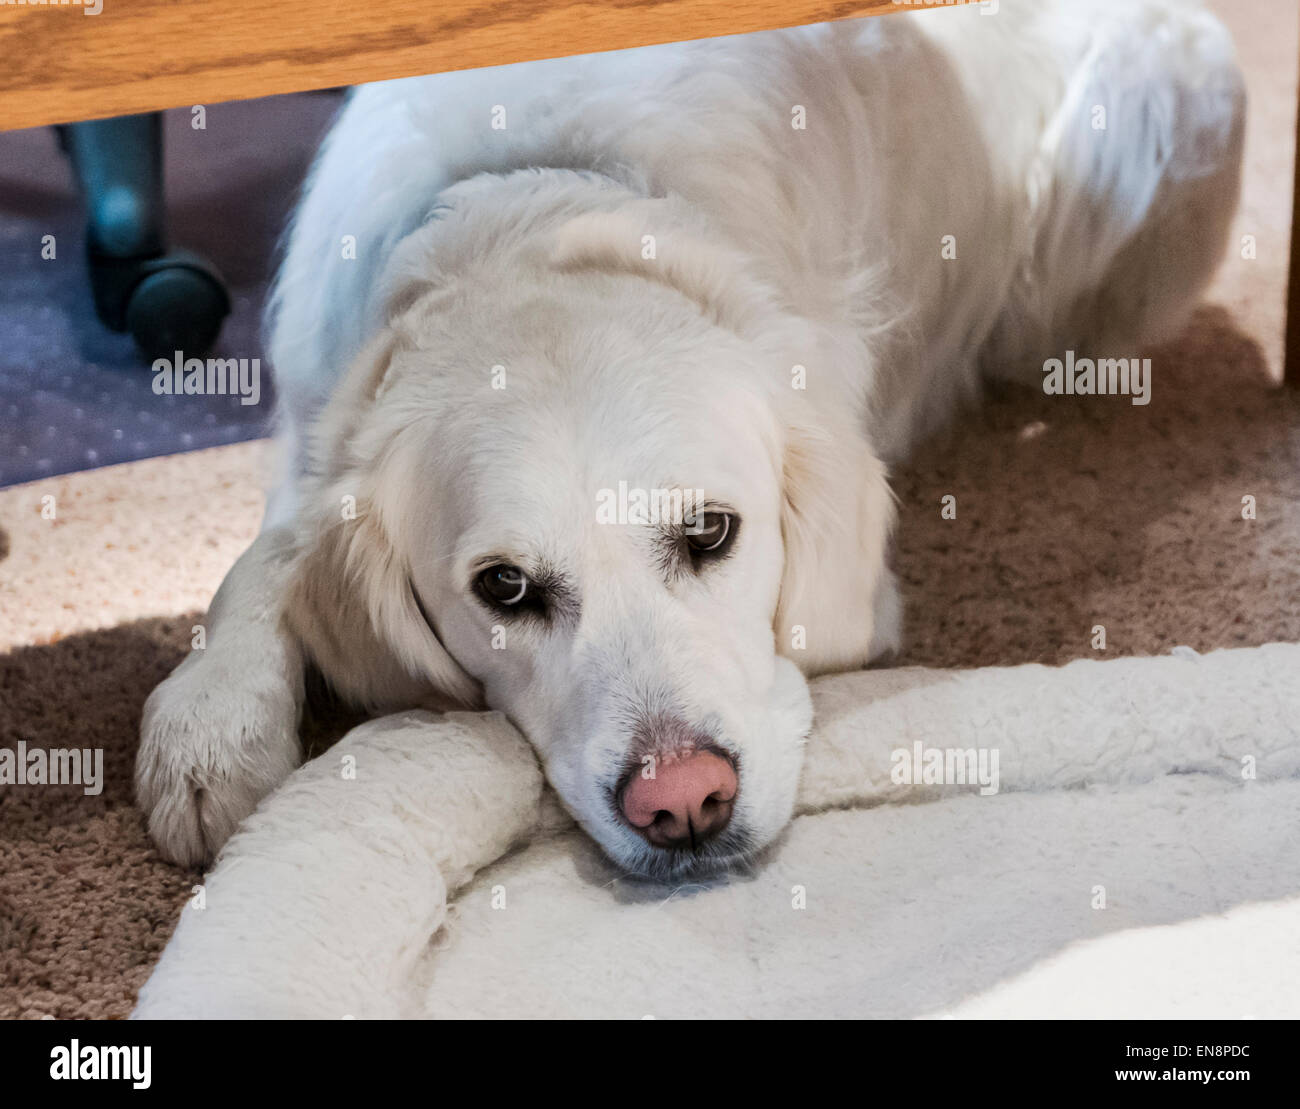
(1141, 857)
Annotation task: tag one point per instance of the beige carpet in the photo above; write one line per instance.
(1072, 512)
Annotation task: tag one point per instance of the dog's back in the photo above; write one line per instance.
(933, 184)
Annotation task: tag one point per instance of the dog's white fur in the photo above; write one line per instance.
(678, 287)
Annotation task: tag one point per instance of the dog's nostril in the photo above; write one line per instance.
(687, 802)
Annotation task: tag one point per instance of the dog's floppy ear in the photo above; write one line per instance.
(837, 608)
(350, 597)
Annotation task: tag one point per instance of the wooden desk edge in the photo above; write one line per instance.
(145, 55)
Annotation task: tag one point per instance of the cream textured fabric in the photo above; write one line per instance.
(1134, 797)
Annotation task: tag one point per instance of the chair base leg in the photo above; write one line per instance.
(169, 300)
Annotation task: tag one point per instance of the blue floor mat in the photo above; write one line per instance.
(73, 395)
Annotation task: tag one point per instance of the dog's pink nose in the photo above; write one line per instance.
(688, 800)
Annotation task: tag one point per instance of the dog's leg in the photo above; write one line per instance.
(1135, 189)
(222, 731)
(1195, 117)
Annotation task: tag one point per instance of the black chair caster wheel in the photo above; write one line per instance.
(177, 305)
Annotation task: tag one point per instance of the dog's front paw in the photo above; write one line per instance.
(215, 739)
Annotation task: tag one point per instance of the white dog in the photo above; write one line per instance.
(591, 371)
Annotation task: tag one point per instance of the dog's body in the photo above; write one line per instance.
(753, 269)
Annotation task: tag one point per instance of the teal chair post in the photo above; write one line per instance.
(169, 300)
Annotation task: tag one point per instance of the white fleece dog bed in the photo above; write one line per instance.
(1129, 866)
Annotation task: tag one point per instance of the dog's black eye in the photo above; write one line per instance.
(711, 534)
(503, 585)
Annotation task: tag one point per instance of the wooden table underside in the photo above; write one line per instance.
(61, 64)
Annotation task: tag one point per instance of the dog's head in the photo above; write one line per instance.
(588, 490)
